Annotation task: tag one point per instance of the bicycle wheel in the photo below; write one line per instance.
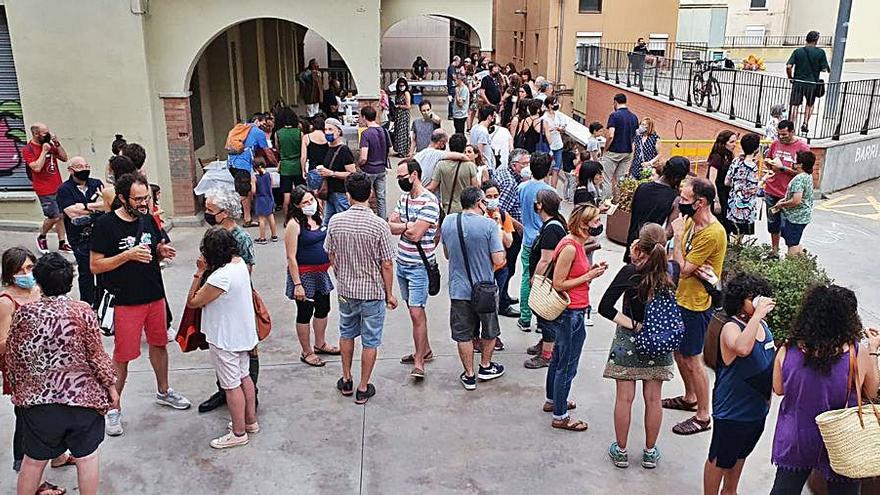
(697, 84)
(713, 92)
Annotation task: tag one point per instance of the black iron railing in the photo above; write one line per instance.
(772, 41)
(848, 107)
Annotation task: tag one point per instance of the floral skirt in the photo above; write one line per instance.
(313, 283)
(624, 363)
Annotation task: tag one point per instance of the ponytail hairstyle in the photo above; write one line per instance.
(117, 144)
(653, 269)
(550, 200)
(580, 218)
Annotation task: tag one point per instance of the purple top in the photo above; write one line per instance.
(797, 444)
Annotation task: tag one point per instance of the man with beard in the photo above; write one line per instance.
(127, 246)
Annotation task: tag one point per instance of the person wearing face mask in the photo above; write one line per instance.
(646, 148)
(415, 220)
(700, 239)
(555, 124)
(572, 275)
(41, 155)
(402, 105)
(492, 192)
(222, 207)
(423, 127)
(527, 192)
(79, 198)
(482, 139)
(127, 247)
(339, 164)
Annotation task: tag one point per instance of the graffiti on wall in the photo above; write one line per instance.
(12, 139)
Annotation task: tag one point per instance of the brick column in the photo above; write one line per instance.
(181, 158)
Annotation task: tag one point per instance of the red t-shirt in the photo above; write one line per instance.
(47, 181)
(777, 185)
(580, 295)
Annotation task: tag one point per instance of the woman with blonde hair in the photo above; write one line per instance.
(572, 275)
(646, 148)
(637, 282)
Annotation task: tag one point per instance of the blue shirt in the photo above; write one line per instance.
(531, 221)
(625, 124)
(256, 139)
(482, 238)
(70, 194)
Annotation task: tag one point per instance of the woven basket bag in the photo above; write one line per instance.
(851, 435)
(544, 300)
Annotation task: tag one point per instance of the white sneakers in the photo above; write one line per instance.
(113, 423)
(229, 440)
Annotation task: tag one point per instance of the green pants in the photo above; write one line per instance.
(525, 287)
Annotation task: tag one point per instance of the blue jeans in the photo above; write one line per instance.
(378, 182)
(501, 278)
(313, 179)
(413, 282)
(362, 318)
(570, 338)
(85, 278)
(336, 203)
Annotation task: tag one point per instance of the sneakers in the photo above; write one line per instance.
(537, 362)
(229, 440)
(535, 349)
(64, 247)
(468, 382)
(42, 244)
(650, 458)
(588, 321)
(499, 346)
(618, 456)
(491, 372)
(113, 423)
(525, 326)
(173, 399)
(251, 428)
(172, 335)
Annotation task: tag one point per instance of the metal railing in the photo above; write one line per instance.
(389, 76)
(848, 107)
(696, 50)
(772, 41)
(343, 75)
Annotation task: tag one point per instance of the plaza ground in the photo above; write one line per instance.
(429, 437)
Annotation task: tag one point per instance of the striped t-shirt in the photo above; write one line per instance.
(424, 207)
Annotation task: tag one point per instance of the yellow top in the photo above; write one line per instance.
(706, 246)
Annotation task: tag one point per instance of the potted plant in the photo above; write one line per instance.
(617, 224)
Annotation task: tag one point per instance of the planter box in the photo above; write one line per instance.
(617, 227)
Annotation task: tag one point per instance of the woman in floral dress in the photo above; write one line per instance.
(742, 178)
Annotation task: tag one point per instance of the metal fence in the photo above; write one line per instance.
(772, 41)
(848, 107)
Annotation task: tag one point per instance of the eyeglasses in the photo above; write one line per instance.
(140, 199)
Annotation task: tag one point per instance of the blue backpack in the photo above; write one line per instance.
(662, 329)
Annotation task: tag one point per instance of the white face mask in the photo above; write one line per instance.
(310, 209)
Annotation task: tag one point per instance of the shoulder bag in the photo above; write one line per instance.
(542, 146)
(261, 312)
(323, 191)
(852, 441)
(819, 90)
(189, 331)
(430, 265)
(484, 295)
(544, 300)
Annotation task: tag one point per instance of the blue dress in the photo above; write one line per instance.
(264, 203)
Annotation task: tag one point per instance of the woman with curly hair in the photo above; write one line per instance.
(811, 374)
(221, 287)
(743, 379)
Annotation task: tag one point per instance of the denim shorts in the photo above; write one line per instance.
(774, 220)
(413, 281)
(49, 206)
(792, 232)
(362, 318)
(695, 325)
(557, 159)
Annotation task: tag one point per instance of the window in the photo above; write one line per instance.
(757, 4)
(515, 44)
(537, 40)
(195, 105)
(592, 5)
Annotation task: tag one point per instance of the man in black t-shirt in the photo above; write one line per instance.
(127, 246)
(654, 202)
(490, 90)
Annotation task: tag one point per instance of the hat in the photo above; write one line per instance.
(335, 123)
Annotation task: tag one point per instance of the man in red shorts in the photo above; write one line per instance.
(127, 246)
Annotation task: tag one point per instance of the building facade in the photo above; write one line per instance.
(175, 76)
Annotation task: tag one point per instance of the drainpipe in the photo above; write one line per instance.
(559, 39)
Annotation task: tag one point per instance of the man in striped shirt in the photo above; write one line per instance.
(415, 221)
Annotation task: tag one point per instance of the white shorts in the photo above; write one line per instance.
(231, 366)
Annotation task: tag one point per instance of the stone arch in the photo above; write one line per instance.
(475, 13)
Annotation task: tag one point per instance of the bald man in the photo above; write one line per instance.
(41, 155)
(79, 199)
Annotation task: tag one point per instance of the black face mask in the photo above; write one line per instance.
(405, 184)
(210, 219)
(687, 209)
(596, 231)
(555, 107)
(131, 210)
(82, 175)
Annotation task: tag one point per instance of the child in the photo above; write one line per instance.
(771, 131)
(596, 141)
(264, 203)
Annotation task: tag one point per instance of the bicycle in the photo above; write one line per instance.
(704, 86)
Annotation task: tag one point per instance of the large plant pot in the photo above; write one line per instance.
(617, 227)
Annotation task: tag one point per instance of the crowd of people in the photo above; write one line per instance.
(488, 214)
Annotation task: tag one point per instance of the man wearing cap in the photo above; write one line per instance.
(340, 164)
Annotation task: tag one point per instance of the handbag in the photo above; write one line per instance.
(484, 295)
(542, 146)
(544, 300)
(261, 312)
(430, 265)
(819, 90)
(323, 191)
(189, 331)
(853, 443)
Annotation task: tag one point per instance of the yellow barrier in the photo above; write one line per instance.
(697, 151)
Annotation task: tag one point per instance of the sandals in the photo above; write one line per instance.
(345, 387)
(679, 404)
(691, 426)
(548, 406)
(305, 358)
(362, 397)
(417, 373)
(327, 350)
(45, 488)
(410, 359)
(567, 423)
(251, 224)
(68, 461)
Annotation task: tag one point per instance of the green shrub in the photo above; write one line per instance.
(790, 278)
